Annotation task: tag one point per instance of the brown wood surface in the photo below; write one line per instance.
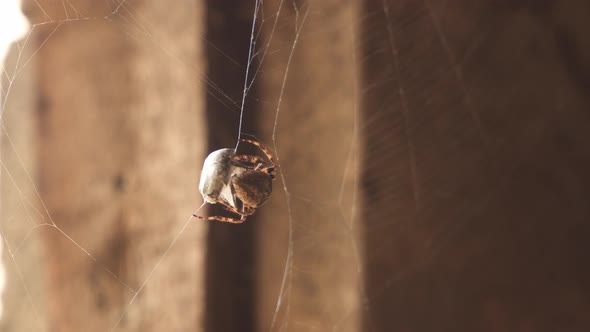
(121, 134)
(309, 230)
(22, 259)
(475, 178)
(231, 261)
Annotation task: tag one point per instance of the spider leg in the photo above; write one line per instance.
(261, 147)
(270, 170)
(223, 219)
(255, 160)
(248, 159)
(228, 207)
(244, 211)
(225, 205)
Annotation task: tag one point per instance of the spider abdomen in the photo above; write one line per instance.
(252, 187)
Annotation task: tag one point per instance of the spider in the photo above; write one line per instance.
(239, 182)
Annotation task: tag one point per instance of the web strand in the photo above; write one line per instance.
(250, 48)
(18, 68)
(290, 251)
(139, 29)
(149, 276)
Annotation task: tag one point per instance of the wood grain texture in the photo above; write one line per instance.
(318, 153)
(121, 136)
(475, 177)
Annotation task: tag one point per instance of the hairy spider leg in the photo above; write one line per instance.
(246, 211)
(255, 160)
(261, 147)
(248, 159)
(270, 170)
(224, 219)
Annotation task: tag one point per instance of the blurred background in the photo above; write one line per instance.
(433, 166)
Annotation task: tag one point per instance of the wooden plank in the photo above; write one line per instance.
(121, 134)
(309, 245)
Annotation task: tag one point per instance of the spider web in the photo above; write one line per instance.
(315, 109)
(25, 227)
(275, 38)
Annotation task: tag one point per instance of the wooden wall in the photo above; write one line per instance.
(432, 159)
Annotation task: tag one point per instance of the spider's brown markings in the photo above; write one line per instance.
(257, 162)
(244, 158)
(252, 187)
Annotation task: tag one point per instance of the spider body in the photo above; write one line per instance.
(241, 183)
(252, 187)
